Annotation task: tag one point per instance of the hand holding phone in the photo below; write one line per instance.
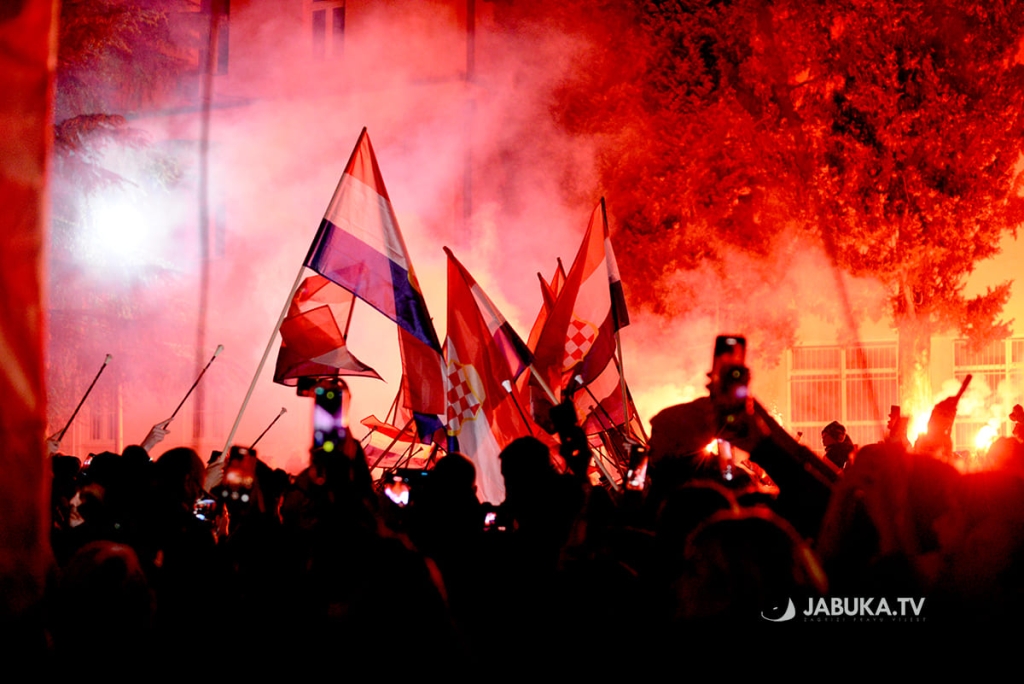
(636, 475)
(239, 474)
(330, 415)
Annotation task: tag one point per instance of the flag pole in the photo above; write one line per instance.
(366, 438)
(603, 410)
(406, 457)
(394, 406)
(543, 385)
(508, 388)
(630, 409)
(393, 443)
(348, 321)
(622, 383)
(215, 471)
(618, 339)
(283, 411)
(604, 469)
(106, 360)
(220, 348)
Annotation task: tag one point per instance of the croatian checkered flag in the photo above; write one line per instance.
(578, 340)
(484, 356)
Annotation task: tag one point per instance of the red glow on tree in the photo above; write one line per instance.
(888, 132)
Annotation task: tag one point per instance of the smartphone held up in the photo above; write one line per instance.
(730, 380)
(331, 399)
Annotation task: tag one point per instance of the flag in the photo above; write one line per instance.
(387, 446)
(557, 280)
(483, 355)
(549, 295)
(578, 338)
(312, 341)
(429, 426)
(600, 404)
(360, 247)
(530, 394)
(500, 334)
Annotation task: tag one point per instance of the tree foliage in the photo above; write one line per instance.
(115, 54)
(888, 131)
(115, 58)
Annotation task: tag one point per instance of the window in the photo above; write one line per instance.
(103, 417)
(209, 420)
(324, 12)
(999, 366)
(853, 385)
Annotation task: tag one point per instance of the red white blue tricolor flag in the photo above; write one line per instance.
(360, 247)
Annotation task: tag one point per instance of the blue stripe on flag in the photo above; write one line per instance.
(370, 275)
(427, 424)
(410, 309)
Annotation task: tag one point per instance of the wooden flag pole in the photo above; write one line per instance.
(215, 471)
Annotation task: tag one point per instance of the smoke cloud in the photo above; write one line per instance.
(284, 123)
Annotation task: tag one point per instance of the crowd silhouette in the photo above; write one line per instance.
(325, 561)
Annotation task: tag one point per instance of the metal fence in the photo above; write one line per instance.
(853, 385)
(857, 385)
(1000, 366)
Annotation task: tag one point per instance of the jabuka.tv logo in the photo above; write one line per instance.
(853, 609)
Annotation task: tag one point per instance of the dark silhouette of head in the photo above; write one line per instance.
(179, 475)
(525, 467)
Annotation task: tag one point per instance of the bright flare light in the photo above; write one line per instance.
(986, 435)
(918, 426)
(119, 229)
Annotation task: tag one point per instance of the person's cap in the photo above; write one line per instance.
(835, 430)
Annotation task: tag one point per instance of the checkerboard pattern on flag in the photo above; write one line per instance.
(360, 247)
(578, 338)
(482, 352)
(463, 400)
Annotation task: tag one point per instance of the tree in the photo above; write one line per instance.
(115, 57)
(887, 130)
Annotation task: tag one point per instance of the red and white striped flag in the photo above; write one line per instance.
(578, 338)
(484, 355)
